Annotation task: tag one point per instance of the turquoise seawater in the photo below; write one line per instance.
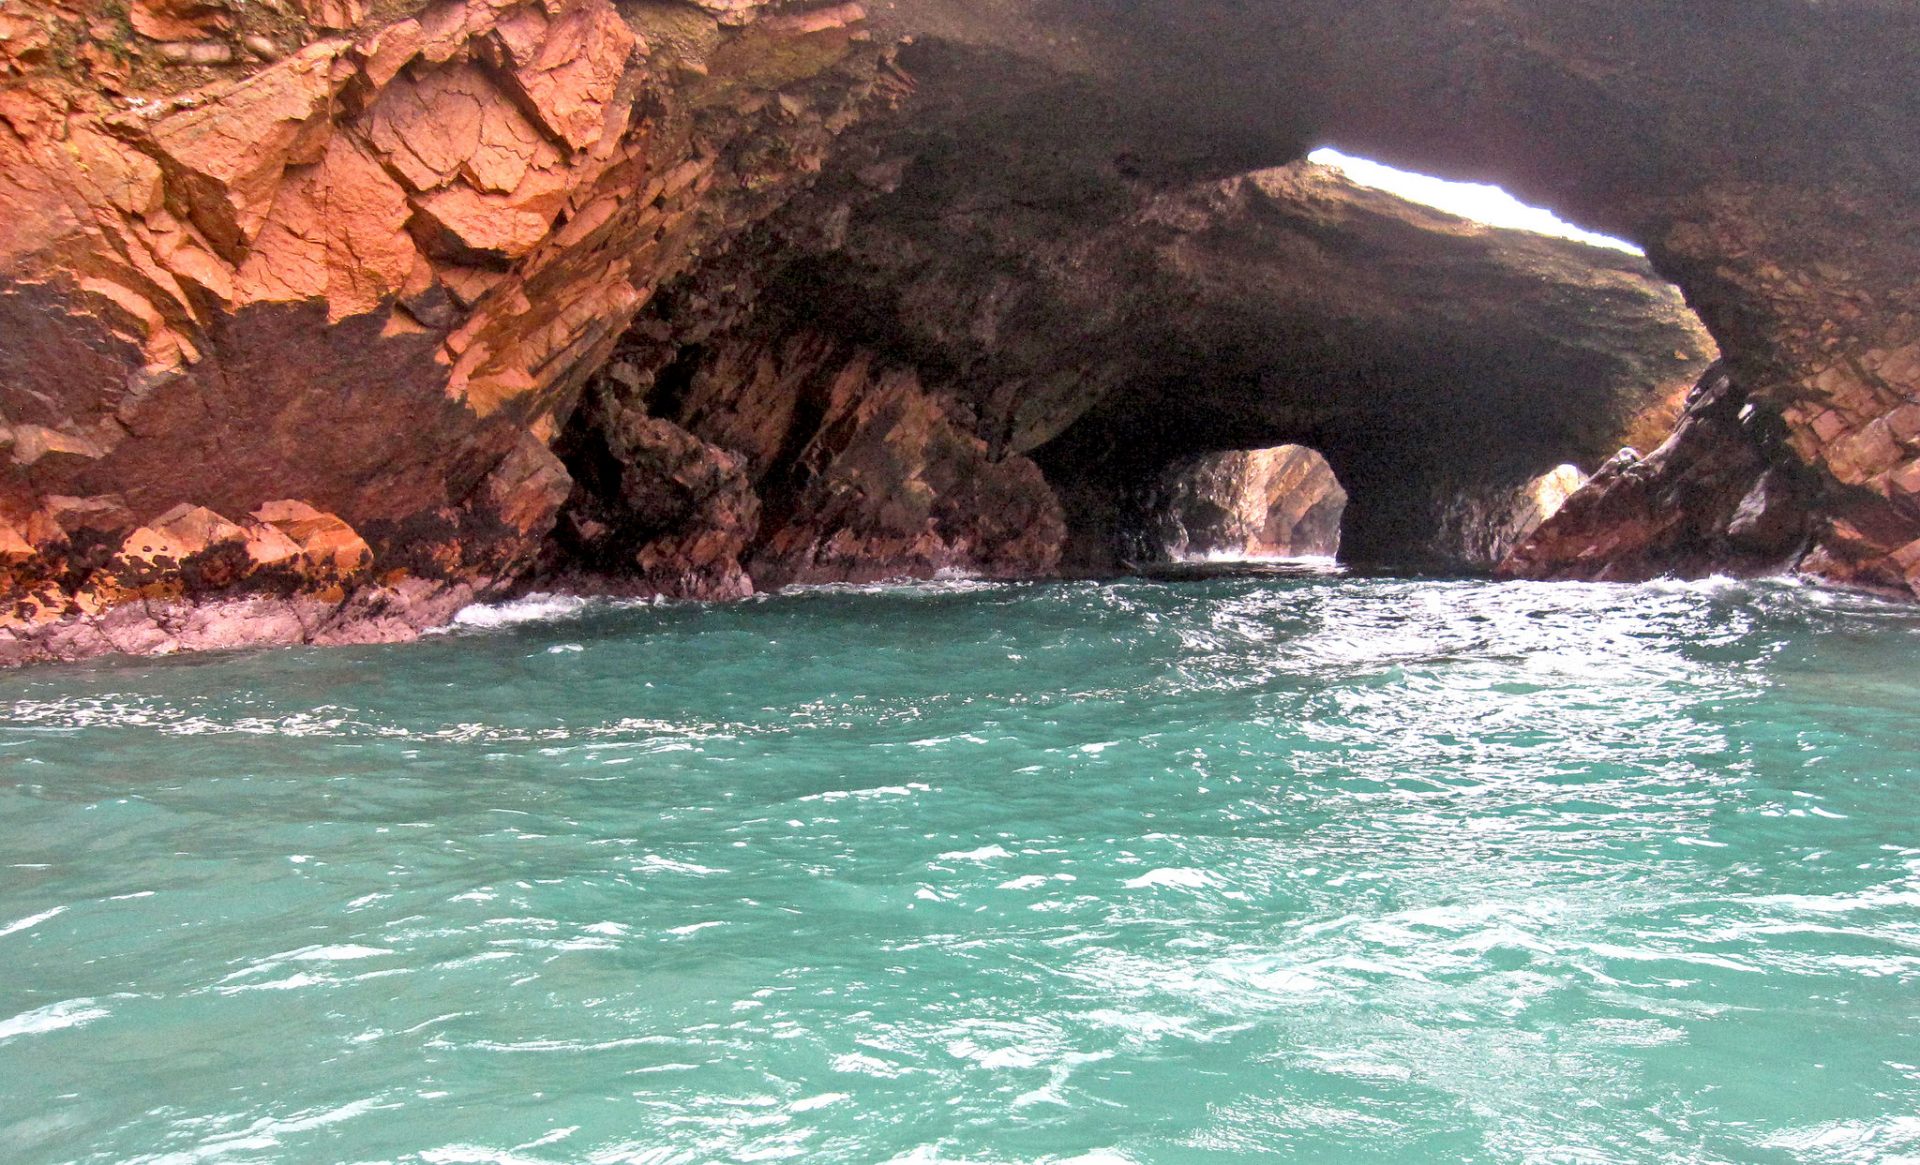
(1209, 871)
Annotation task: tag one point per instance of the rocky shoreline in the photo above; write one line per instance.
(321, 320)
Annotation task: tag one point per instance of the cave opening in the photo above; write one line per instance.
(1283, 502)
(1481, 202)
(1016, 388)
(1463, 362)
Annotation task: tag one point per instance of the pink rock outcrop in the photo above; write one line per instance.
(369, 273)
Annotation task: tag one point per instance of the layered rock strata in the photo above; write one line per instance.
(368, 276)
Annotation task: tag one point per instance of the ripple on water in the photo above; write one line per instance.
(1223, 869)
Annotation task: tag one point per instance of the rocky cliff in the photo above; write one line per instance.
(350, 264)
(319, 318)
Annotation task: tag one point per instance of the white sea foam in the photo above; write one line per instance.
(867, 794)
(985, 853)
(477, 1155)
(692, 928)
(808, 1104)
(1310, 563)
(1183, 878)
(293, 982)
(534, 608)
(53, 1017)
(340, 953)
(655, 864)
(943, 583)
(29, 921)
(861, 1064)
(265, 1134)
(1713, 584)
(1034, 881)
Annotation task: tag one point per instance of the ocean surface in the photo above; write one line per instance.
(1207, 870)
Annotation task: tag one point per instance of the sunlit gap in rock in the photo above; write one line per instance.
(1478, 202)
(1275, 506)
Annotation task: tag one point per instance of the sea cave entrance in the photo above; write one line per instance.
(1326, 358)
(1457, 362)
(1282, 502)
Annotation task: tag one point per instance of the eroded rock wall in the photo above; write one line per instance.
(834, 466)
(1723, 494)
(366, 276)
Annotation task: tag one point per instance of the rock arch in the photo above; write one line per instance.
(242, 264)
(1762, 153)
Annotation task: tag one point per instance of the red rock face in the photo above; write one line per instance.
(794, 460)
(366, 277)
(1723, 494)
